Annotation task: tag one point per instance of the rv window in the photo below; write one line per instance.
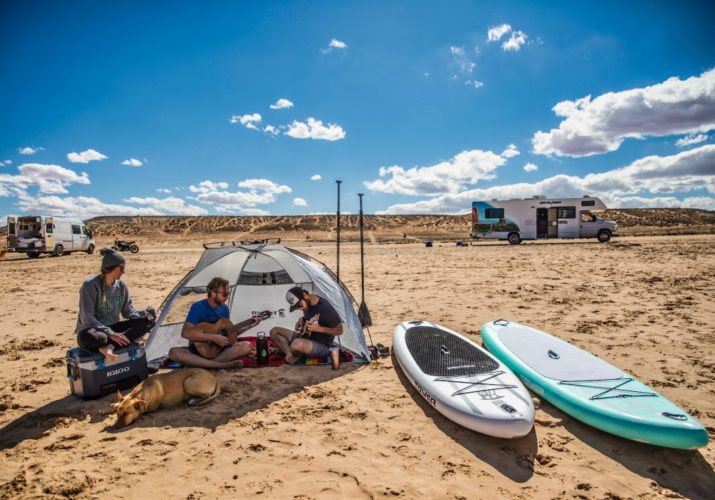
(86, 231)
(49, 228)
(75, 229)
(566, 213)
(11, 228)
(588, 203)
(494, 213)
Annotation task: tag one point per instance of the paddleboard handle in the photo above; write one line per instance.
(675, 416)
(501, 322)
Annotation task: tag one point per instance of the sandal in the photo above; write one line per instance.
(383, 351)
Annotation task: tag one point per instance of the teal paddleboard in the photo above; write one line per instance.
(590, 389)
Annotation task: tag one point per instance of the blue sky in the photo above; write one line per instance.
(112, 108)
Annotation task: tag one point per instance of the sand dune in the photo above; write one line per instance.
(645, 304)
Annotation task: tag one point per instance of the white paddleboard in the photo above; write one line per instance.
(462, 381)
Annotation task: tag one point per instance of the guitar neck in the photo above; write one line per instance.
(235, 328)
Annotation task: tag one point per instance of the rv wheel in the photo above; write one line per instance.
(33, 255)
(90, 249)
(59, 251)
(514, 238)
(604, 235)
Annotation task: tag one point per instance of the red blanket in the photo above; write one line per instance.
(275, 356)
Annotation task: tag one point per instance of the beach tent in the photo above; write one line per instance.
(259, 274)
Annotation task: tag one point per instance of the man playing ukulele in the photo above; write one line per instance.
(211, 310)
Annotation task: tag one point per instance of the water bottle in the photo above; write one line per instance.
(262, 348)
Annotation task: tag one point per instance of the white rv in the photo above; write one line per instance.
(36, 234)
(540, 218)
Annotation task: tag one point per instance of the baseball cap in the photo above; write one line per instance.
(293, 297)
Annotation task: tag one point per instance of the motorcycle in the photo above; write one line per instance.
(121, 246)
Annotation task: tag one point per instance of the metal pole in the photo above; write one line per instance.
(338, 182)
(363, 311)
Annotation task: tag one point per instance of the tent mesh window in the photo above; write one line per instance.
(270, 278)
(441, 354)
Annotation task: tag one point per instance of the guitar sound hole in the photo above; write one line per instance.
(223, 331)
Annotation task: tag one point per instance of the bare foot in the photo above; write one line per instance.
(232, 364)
(291, 360)
(108, 353)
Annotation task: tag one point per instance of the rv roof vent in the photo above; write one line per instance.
(586, 196)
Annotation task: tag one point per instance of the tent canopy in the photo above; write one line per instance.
(259, 275)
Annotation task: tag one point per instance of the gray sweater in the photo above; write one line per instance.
(99, 312)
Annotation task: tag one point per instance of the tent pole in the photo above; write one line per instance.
(363, 311)
(338, 182)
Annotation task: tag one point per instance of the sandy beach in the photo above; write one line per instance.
(645, 304)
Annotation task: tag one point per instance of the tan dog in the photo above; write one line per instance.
(167, 389)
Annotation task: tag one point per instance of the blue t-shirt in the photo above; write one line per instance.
(329, 317)
(202, 312)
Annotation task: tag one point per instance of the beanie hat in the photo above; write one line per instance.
(111, 258)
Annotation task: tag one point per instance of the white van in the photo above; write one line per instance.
(36, 234)
(539, 217)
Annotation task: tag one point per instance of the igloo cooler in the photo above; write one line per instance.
(90, 376)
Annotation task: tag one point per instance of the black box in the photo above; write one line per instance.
(90, 376)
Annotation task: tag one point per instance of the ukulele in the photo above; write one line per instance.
(223, 327)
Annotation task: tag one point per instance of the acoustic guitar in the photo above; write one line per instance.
(304, 333)
(223, 327)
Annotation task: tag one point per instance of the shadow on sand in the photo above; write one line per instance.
(242, 391)
(683, 471)
(514, 458)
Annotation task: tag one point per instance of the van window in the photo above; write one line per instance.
(588, 203)
(75, 229)
(566, 213)
(11, 228)
(494, 213)
(85, 231)
(49, 228)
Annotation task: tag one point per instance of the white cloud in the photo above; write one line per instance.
(7, 162)
(27, 150)
(49, 179)
(168, 206)
(461, 60)
(132, 162)
(334, 44)
(257, 192)
(82, 206)
(316, 177)
(163, 190)
(282, 104)
(510, 152)
(495, 33)
(467, 167)
(248, 121)
(315, 129)
(86, 156)
(270, 129)
(530, 167)
(601, 125)
(299, 202)
(208, 186)
(516, 40)
(474, 83)
(691, 139)
(622, 187)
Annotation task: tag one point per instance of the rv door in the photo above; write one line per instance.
(79, 240)
(11, 232)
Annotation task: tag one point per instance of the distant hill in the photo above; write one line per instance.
(384, 227)
(632, 221)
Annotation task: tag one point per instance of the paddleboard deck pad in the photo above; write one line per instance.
(590, 389)
(462, 381)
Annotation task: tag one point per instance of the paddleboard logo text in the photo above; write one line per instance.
(426, 395)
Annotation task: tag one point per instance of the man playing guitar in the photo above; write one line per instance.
(314, 332)
(211, 310)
